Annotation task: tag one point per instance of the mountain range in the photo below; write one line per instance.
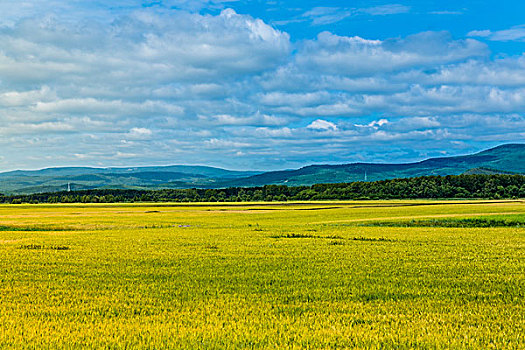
(505, 159)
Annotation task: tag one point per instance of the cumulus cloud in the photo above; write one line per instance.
(355, 56)
(323, 125)
(159, 85)
(143, 48)
(506, 72)
(377, 123)
(26, 98)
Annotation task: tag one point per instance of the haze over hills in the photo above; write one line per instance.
(182, 169)
(507, 159)
(81, 178)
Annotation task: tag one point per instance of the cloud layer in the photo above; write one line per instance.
(171, 86)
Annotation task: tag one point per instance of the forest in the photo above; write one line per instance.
(427, 187)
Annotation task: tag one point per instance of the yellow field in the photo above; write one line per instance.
(276, 276)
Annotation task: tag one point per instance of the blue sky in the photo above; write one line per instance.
(257, 84)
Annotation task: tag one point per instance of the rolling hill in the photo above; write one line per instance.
(502, 159)
(84, 178)
(505, 159)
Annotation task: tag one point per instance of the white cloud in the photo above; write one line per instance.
(294, 99)
(143, 48)
(415, 123)
(383, 10)
(139, 134)
(323, 125)
(327, 15)
(324, 15)
(507, 72)
(25, 98)
(516, 33)
(480, 33)
(272, 133)
(37, 128)
(149, 86)
(379, 122)
(257, 119)
(94, 106)
(344, 108)
(224, 144)
(355, 56)
(446, 12)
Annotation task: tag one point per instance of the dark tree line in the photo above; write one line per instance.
(438, 187)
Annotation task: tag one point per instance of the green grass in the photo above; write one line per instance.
(34, 228)
(504, 221)
(227, 276)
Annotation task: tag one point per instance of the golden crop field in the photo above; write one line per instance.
(376, 274)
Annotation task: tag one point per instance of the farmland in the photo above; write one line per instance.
(365, 274)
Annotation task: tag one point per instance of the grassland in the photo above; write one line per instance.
(384, 274)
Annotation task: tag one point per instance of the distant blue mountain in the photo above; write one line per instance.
(506, 159)
(503, 159)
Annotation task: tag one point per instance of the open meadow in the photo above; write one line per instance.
(325, 275)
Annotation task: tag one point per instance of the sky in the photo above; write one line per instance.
(257, 85)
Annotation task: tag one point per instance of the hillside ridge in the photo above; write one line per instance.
(505, 159)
